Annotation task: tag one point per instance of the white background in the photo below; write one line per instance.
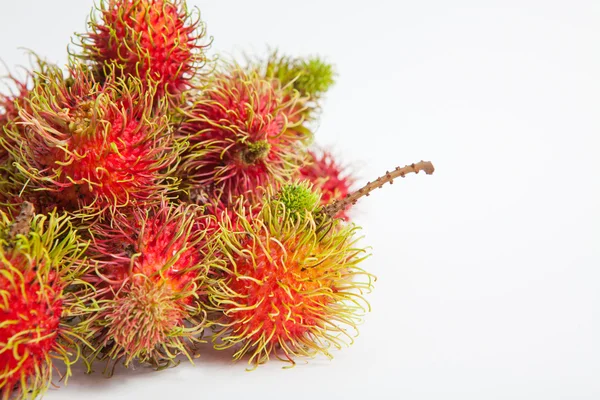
(489, 279)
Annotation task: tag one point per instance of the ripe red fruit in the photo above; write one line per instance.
(29, 322)
(241, 137)
(154, 40)
(89, 147)
(153, 273)
(290, 288)
(39, 295)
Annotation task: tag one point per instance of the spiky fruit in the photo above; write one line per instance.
(153, 277)
(295, 198)
(15, 99)
(40, 292)
(9, 117)
(298, 197)
(311, 77)
(9, 106)
(330, 179)
(241, 137)
(153, 40)
(89, 147)
(290, 288)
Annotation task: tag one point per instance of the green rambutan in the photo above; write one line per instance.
(40, 293)
(241, 136)
(296, 199)
(153, 40)
(87, 147)
(154, 266)
(311, 77)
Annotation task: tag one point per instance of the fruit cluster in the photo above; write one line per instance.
(152, 198)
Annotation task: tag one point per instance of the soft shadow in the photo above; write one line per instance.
(207, 354)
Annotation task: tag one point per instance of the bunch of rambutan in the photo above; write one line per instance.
(153, 198)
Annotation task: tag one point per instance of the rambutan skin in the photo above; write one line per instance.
(154, 266)
(329, 178)
(29, 322)
(40, 292)
(90, 147)
(241, 136)
(290, 288)
(154, 40)
(14, 99)
(10, 103)
(312, 77)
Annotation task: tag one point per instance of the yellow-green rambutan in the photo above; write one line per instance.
(311, 76)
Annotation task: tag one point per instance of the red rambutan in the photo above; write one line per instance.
(40, 261)
(15, 99)
(153, 272)
(240, 136)
(153, 40)
(87, 147)
(10, 102)
(290, 288)
(291, 285)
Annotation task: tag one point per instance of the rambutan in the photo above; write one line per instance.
(241, 137)
(311, 77)
(9, 115)
(40, 292)
(290, 288)
(296, 199)
(153, 40)
(330, 179)
(291, 285)
(87, 147)
(14, 98)
(152, 277)
(10, 102)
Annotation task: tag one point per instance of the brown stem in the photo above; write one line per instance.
(22, 222)
(338, 205)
